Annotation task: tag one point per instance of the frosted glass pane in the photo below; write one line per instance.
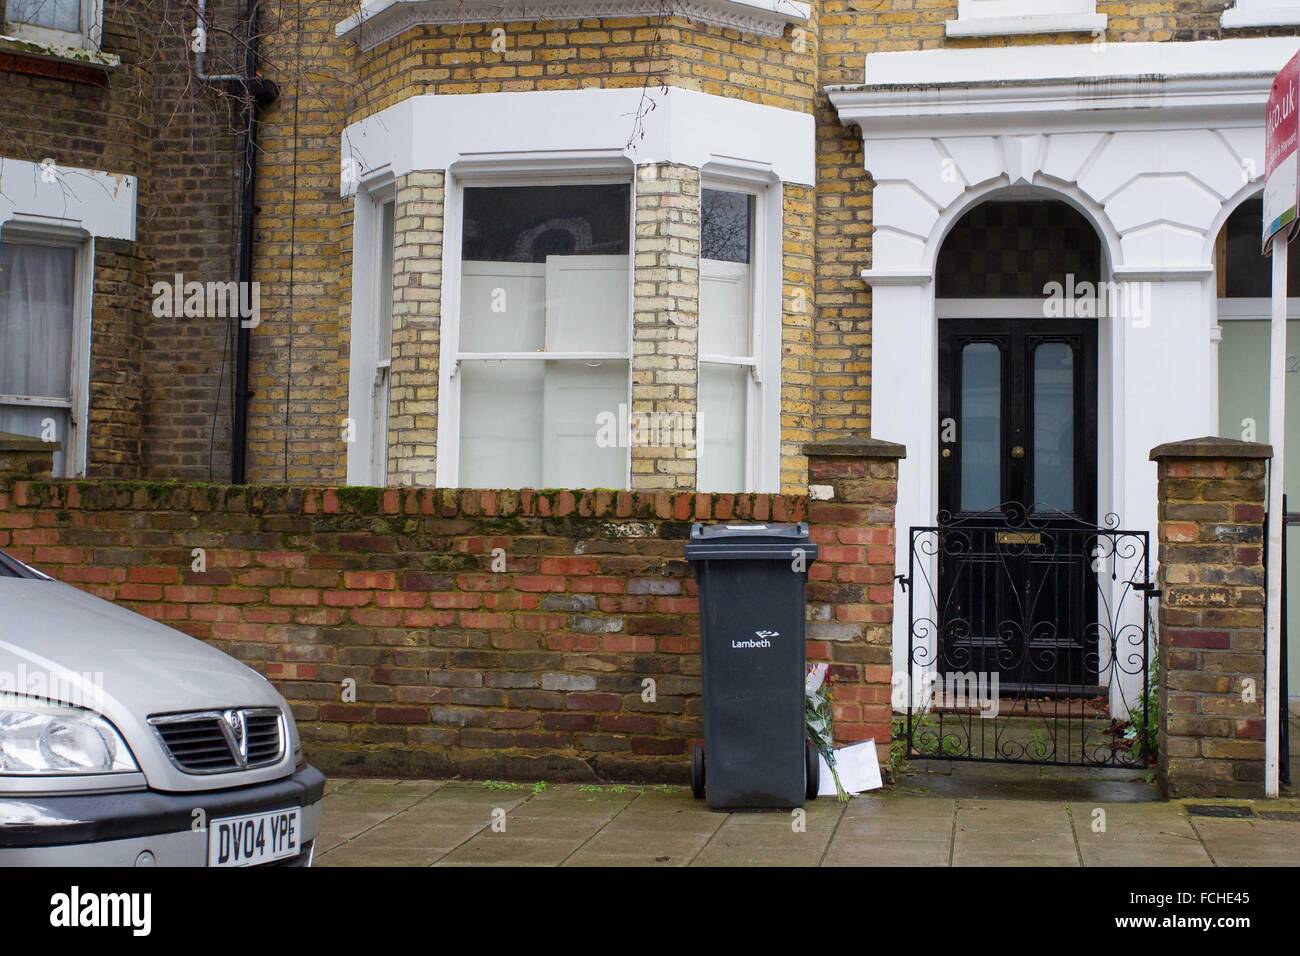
(725, 309)
(576, 399)
(981, 427)
(502, 307)
(722, 428)
(531, 424)
(586, 303)
(36, 310)
(30, 421)
(501, 424)
(1054, 426)
(54, 14)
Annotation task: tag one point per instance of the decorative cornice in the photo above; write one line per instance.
(379, 21)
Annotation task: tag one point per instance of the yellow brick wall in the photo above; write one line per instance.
(303, 229)
(569, 55)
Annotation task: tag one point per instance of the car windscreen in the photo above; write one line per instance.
(12, 568)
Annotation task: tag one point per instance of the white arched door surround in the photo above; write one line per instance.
(1156, 163)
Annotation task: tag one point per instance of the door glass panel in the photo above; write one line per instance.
(981, 426)
(1054, 427)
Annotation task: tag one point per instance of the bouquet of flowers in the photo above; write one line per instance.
(817, 716)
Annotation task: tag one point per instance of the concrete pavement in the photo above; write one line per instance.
(464, 823)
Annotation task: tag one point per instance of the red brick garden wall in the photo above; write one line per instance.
(535, 670)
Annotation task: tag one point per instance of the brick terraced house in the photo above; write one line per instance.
(650, 246)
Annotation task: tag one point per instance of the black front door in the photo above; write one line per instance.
(1017, 493)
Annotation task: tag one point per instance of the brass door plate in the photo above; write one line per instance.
(1019, 537)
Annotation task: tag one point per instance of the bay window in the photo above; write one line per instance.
(543, 342)
(41, 341)
(730, 375)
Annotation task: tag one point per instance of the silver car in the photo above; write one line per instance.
(127, 743)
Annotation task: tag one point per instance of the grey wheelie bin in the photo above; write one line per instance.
(756, 754)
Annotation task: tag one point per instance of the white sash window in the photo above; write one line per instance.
(42, 342)
(542, 353)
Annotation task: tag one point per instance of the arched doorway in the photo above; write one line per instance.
(1020, 290)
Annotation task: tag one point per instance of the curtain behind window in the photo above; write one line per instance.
(54, 14)
(36, 312)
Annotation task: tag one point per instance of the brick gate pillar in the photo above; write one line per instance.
(1211, 636)
(852, 491)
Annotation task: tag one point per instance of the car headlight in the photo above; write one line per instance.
(40, 737)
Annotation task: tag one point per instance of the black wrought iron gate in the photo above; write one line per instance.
(1028, 641)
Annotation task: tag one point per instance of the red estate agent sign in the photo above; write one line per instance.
(1280, 129)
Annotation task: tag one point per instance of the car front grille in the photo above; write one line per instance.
(222, 741)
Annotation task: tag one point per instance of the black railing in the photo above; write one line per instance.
(1028, 640)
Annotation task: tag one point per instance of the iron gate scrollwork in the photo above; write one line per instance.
(1028, 640)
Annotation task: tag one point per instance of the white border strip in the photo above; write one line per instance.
(578, 128)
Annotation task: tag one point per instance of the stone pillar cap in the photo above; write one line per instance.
(1211, 447)
(855, 448)
(11, 442)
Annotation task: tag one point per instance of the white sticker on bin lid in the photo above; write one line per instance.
(746, 527)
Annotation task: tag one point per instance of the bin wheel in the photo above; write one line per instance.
(813, 771)
(697, 771)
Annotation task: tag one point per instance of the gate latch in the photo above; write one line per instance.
(903, 581)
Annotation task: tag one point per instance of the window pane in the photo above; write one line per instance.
(530, 424)
(1054, 426)
(36, 308)
(723, 428)
(725, 311)
(981, 427)
(1249, 273)
(54, 14)
(726, 225)
(530, 223)
(546, 269)
(503, 307)
(34, 421)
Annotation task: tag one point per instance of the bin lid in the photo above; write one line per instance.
(731, 542)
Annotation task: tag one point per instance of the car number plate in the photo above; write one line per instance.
(255, 838)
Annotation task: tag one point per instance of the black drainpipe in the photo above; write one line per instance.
(256, 92)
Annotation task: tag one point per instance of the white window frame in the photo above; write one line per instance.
(74, 443)
(1016, 17)
(514, 171)
(89, 37)
(1261, 13)
(368, 452)
(763, 415)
